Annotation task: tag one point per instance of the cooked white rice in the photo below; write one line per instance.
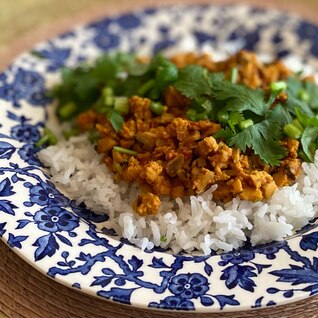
(195, 223)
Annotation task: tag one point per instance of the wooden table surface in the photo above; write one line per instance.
(25, 293)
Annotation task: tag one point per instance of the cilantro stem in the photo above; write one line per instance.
(234, 74)
(145, 88)
(125, 151)
(292, 131)
(154, 94)
(246, 123)
(121, 105)
(278, 86)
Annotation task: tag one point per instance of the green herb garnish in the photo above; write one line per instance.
(48, 138)
(125, 151)
(163, 239)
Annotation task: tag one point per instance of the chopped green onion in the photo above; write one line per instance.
(107, 91)
(74, 131)
(125, 151)
(304, 95)
(278, 86)
(93, 136)
(234, 74)
(145, 88)
(292, 131)
(67, 110)
(108, 96)
(47, 138)
(246, 123)
(109, 101)
(296, 123)
(157, 108)
(121, 105)
(223, 116)
(163, 239)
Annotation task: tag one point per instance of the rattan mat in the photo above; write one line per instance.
(26, 293)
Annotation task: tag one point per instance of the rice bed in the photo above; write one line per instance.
(195, 223)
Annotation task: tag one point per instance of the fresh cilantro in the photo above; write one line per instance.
(279, 114)
(250, 118)
(225, 134)
(294, 87)
(235, 104)
(305, 120)
(263, 138)
(194, 81)
(312, 90)
(82, 86)
(235, 118)
(308, 139)
(238, 97)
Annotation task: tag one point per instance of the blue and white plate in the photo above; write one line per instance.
(60, 239)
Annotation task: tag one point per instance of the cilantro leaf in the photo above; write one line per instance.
(224, 133)
(194, 81)
(238, 97)
(312, 90)
(82, 85)
(294, 87)
(263, 138)
(308, 138)
(279, 114)
(305, 120)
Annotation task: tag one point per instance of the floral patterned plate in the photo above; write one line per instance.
(60, 238)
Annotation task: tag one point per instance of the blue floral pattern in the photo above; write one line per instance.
(61, 237)
(27, 85)
(55, 219)
(55, 56)
(188, 286)
(45, 194)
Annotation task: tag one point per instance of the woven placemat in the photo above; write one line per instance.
(26, 293)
